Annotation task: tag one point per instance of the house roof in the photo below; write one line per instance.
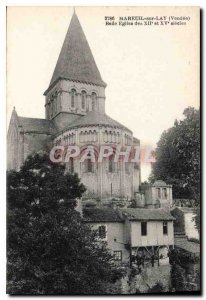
(96, 118)
(97, 215)
(159, 183)
(76, 61)
(37, 125)
(183, 243)
(156, 214)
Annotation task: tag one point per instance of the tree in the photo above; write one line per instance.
(178, 157)
(50, 250)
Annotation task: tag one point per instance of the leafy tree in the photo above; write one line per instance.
(178, 156)
(50, 250)
(157, 288)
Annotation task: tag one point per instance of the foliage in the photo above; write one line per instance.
(41, 183)
(178, 157)
(49, 248)
(197, 218)
(157, 288)
(194, 240)
(185, 278)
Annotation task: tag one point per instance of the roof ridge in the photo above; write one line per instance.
(34, 118)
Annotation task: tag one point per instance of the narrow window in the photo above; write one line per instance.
(89, 166)
(73, 95)
(71, 165)
(94, 98)
(83, 99)
(143, 228)
(118, 255)
(165, 228)
(158, 192)
(164, 191)
(102, 232)
(126, 139)
(55, 101)
(111, 164)
(52, 106)
(118, 137)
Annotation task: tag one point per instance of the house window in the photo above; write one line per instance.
(89, 166)
(118, 255)
(94, 99)
(143, 228)
(73, 95)
(158, 192)
(164, 192)
(102, 232)
(165, 228)
(83, 99)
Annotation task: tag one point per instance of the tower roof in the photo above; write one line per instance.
(76, 61)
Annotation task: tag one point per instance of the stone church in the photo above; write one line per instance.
(75, 115)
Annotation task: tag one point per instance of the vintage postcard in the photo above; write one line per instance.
(103, 150)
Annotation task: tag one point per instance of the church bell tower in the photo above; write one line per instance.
(76, 87)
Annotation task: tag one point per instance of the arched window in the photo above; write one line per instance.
(118, 137)
(110, 137)
(81, 137)
(158, 191)
(89, 166)
(84, 99)
(94, 100)
(106, 136)
(73, 95)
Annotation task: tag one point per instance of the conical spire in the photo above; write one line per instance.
(76, 61)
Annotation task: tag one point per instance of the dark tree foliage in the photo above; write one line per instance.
(49, 248)
(157, 288)
(178, 156)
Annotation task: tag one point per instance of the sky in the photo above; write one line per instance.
(152, 72)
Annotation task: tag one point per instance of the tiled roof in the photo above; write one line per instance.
(76, 61)
(96, 118)
(101, 215)
(159, 183)
(37, 125)
(147, 214)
